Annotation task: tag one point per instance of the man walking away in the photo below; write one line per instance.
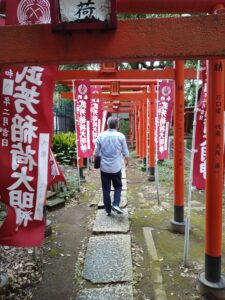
(111, 145)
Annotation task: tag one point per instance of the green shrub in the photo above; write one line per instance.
(64, 147)
(124, 127)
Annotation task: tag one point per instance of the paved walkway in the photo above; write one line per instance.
(108, 257)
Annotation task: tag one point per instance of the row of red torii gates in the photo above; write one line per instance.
(128, 91)
(194, 37)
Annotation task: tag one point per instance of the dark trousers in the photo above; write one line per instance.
(116, 180)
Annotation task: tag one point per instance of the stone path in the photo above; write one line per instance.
(108, 257)
(120, 292)
(115, 223)
(123, 202)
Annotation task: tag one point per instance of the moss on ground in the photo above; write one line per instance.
(179, 281)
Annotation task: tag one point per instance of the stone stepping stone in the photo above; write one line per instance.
(50, 194)
(108, 259)
(55, 202)
(124, 188)
(95, 200)
(115, 223)
(124, 183)
(124, 174)
(122, 292)
(123, 202)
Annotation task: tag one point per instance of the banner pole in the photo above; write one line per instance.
(188, 217)
(147, 138)
(156, 148)
(78, 168)
(88, 165)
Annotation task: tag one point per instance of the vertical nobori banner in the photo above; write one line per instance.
(83, 118)
(96, 113)
(104, 116)
(55, 174)
(165, 108)
(199, 165)
(25, 130)
(26, 124)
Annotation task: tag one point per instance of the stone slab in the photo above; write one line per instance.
(157, 278)
(150, 243)
(124, 174)
(124, 188)
(95, 200)
(115, 223)
(121, 292)
(108, 259)
(50, 194)
(55, 202)
(124, 183)
(123, 202)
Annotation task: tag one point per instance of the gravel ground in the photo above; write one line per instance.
(24, 266)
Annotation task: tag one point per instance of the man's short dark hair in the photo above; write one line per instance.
(112, 123)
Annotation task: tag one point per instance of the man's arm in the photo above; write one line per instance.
(126, 162)
(97, 147)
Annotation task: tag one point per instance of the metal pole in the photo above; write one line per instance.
(88, 165)
(147, 137)
(156, 148)
(78, 169)
(188, 217)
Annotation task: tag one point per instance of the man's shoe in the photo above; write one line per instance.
(109, 214)
(117, 209)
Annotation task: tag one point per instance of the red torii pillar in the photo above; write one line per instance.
(212, 281)
(144, 144)
(151, 174)
(140, 130)
(178, 223)
(136, 129)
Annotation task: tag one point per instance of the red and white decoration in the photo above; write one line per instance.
(83, 118)
(199, 167)
(96, 114)
(104, 116)
(165, 108)
(25, 135)
(55, 174)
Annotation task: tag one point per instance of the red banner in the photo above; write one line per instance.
(55, 174)
(83, 118)
(25, 136)
(96, 114)
(104, 116)
(199, 165)
(165, 108)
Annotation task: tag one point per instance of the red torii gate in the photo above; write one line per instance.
(117, 46)
(154, 6)
(124, 76)
(211, 262)
(139, 97)
(178, 74)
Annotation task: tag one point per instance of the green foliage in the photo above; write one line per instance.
(79, 67)
(190, 85)
(124, 127)
(145, 16)
(64, 147)
(166, 171)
